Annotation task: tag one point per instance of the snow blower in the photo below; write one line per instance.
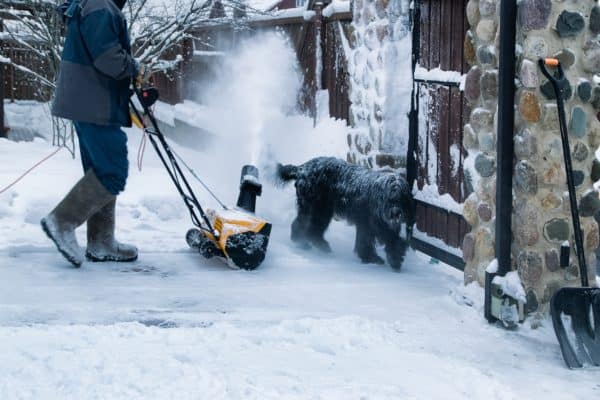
(234, 234)
(581, 305)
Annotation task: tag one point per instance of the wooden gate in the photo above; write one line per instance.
(437, 119)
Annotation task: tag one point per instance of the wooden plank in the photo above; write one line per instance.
(443, 151)
(434, 34)
(455, 144)
(453, 230)
(458, 35)
(465, 114)
(2, 126)
(447, 50)
(424, 34)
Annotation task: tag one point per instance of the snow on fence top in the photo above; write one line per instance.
(439, 75)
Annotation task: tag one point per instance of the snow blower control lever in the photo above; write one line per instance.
(580, 305)
(233, 234)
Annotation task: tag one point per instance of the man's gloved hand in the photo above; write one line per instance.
(143, 76)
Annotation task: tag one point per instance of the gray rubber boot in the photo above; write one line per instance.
(101, 245)
(84, 200)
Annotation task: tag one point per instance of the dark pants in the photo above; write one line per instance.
(104, 150)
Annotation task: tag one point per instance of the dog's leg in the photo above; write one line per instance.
(300, 226)
(395, 250)
(365, 245)
(319, 221)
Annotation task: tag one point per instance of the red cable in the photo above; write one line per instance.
(29, 171)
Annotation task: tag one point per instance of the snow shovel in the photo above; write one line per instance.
(581, 345)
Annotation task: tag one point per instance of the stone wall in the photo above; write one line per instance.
(479, 138)
(380, 94)
(569, 31)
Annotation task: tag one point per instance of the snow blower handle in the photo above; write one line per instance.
(557, 79)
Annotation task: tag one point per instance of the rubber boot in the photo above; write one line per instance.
(101, 245)
(84, 200)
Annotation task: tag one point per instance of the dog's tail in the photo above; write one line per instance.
(286, 173)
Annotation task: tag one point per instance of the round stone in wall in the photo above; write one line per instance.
(532, 302)
(487, 8)
(592, 239)
(557, 230)
(526, 224)
(529, 107)
(481, 119)
(580, 151)
(469, 137)
(530, 267)
(578, 124)
(550, 122)
(566, 58)
(534, 14)
(589, 204)
(485, 55)
(591, 56)
(487, 141)
(569, 24)
(595, 19)
(535, 47)
(468, 247)
(486, 30)
(596, 98)
(470, 210)
(469, 49)
(578, 177)
(489, 86)
(525, 178)
(485, 212)
(552, 260)
(472, 84)
(525, 144)
(548, 91)
(528, 74)
(484, 243)
(473, 12)
(584, 90)
(485, 165)
(551, 201)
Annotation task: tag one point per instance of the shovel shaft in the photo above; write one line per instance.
(558, 83)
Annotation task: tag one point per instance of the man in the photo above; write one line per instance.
(93, 91)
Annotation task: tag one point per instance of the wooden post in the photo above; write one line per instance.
(3, 128)
(318, 43)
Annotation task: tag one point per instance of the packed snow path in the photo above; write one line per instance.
(302, 326)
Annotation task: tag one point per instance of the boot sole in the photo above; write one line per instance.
(66, 255)
(94, 258)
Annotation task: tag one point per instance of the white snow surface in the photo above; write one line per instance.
(304, 325)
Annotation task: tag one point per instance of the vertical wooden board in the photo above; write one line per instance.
(434, 34)
(443, 151)
(421, 217)
(447, 51)
(455, 144)
(423, 133)
(453, 230)
(466, 27)
(424, 38)
(458, 35)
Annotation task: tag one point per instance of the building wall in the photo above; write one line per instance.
(541, 217)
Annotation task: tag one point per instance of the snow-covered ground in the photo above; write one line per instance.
(302, 326)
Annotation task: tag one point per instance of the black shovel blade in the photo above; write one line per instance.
(580, 342)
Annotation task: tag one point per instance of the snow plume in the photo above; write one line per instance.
(250, 110)
(253, 103)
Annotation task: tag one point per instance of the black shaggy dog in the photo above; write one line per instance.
(376, 202)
